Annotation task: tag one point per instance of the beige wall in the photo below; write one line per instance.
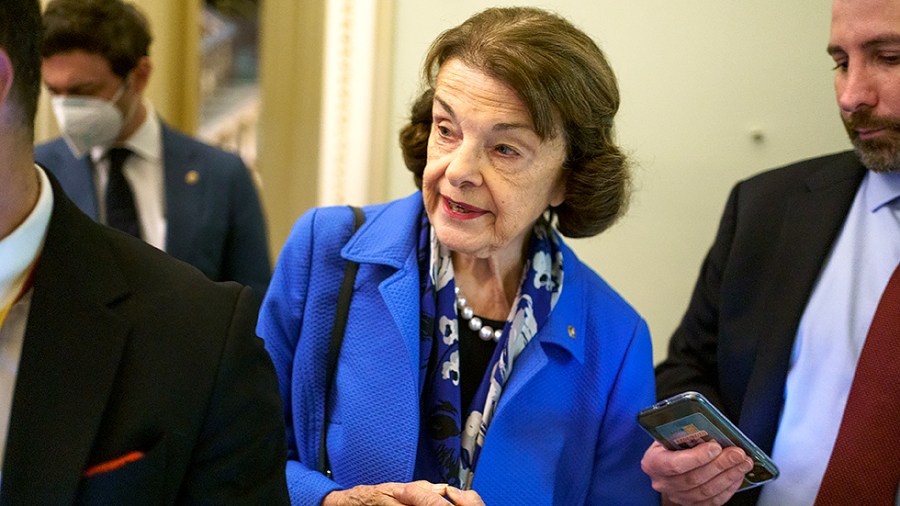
(712, 92)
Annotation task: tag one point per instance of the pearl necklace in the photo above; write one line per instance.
(485, 332)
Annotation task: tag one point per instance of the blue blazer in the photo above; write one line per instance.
(215, 223)
(564, 431)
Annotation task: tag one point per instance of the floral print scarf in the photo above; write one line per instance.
(448, 449)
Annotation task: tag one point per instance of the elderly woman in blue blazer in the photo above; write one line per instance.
(481, 360)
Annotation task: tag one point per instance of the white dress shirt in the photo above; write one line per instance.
(18, 252)
(146, 175)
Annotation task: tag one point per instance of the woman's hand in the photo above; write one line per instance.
(419, 493)
(464, 497)
(422, 493)
(703, 475)
(382, 494)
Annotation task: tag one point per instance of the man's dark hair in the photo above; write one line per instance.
(20, 32)
(115, 30)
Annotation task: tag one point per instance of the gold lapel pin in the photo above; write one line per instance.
(192, 177)
(572, 332)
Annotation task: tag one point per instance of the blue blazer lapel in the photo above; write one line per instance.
(393, 265)
(569, 311)
(71, 353)
(811, 223)
(369, 246)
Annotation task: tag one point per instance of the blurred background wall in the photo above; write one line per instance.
(712, 92)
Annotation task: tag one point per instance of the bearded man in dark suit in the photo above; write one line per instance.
(784, 309)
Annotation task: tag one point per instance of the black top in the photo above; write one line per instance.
(474, 356)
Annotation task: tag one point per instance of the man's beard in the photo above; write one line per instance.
(881, 154)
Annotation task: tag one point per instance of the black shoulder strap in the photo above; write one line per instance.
(337, 338)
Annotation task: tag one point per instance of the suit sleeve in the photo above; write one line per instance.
(239, 458)
(246, 255)
(692, 362)
(279, 325)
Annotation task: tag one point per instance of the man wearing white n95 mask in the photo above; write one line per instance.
(87, 121)
(194, 201)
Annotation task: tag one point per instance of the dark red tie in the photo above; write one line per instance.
(865, 464)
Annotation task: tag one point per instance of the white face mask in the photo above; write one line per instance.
(86, 122)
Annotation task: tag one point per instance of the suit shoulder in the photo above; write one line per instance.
(52, 150)
(52, 145)
(325, 231)
(767, 193)
(56, 157)
(329, 219)
(152, 272)
(324, 223)
(207, 152)
(797, 172)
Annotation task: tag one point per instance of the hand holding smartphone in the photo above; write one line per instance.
(688, 419)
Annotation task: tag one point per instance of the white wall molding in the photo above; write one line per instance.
(353, 126)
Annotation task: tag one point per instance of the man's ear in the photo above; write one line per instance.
(6, 76)
(141, 74)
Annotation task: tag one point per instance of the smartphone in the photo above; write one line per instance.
(688, 419)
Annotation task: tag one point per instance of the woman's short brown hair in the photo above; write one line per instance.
(564, 80)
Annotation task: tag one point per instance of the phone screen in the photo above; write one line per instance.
(691, 430)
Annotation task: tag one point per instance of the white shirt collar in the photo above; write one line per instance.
(145, 142)
(880, 188)
(19, 249)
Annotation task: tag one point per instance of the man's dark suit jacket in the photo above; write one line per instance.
(127, 349)
(214, 220)
(735, 341)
